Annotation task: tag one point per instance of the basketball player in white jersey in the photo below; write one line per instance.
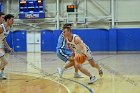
(78, 46)
(4, 31)
(66, 55)
(1, 21)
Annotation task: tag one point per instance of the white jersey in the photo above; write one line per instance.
(78, 49)
(74, 46)
(3, 35)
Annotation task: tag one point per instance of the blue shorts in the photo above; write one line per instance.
(64, 54)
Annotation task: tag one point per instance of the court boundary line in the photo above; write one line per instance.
(42, 77)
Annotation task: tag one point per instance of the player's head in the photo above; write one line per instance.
(66, 31)
(1, 17)
(9, 19)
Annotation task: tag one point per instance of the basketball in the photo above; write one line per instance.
(80, 58)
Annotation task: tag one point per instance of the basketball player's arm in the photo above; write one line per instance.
(79, 43)
(1, 32)
(6, 45)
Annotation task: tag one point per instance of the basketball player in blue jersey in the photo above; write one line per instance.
(1, 21)
(66, 55)
(78, 46)
(4, 31)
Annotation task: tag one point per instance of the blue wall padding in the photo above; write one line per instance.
(96, 39)
(116, 39)
(104, 40)
(112, 40)
(128, 39)
(47, 41)
(19, 41)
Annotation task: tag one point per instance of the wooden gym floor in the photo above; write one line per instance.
(36, 73)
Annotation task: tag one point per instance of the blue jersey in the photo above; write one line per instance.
(61, 44)
(61, 50)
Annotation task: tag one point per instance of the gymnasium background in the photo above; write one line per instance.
(104, 25)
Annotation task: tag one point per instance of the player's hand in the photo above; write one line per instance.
(73, 54)
(11, 51)
(71, 58)
(84, 54)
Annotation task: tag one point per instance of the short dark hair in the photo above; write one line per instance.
(1, 13)
(67, 25)
(8, 16)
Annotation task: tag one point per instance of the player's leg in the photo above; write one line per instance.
(83, 70)
(86, 72)
(2, 59)
(93, 63)
(76, 74)
(69, 62)
(67, 57)
(2, 71)
(4, 62)
(64, 56)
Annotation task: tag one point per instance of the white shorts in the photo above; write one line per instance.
(88, 54)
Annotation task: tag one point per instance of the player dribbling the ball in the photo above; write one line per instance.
(75, 43)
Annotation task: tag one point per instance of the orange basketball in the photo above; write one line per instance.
(80, 58)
